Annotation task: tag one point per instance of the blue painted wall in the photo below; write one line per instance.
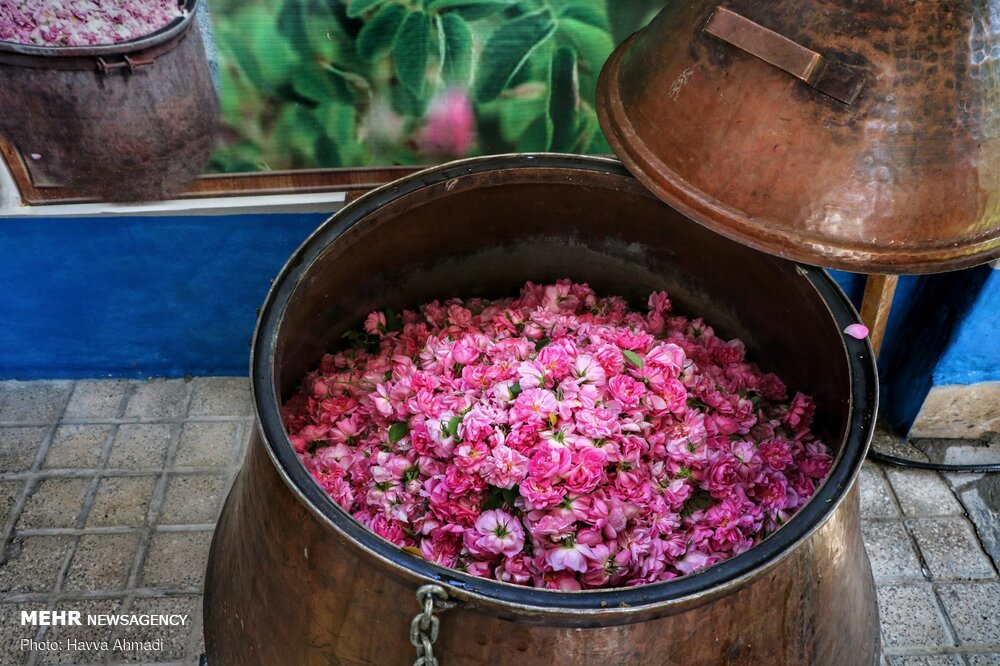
(137, 296)
(922, 335)
(973, 353)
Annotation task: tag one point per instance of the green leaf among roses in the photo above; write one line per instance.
(699, 501)
(633, 358)
(398, 431)
(451, 427)
(498, 497)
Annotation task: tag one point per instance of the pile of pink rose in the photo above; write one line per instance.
(559, 439)
(83, 22)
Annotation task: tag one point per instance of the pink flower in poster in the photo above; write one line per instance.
(450, 126)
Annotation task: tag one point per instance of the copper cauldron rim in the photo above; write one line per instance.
(702, 587)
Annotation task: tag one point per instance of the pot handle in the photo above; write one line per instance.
(840, 81)
(127, 62)
(425, 625)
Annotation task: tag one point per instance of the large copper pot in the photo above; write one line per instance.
(293, 579)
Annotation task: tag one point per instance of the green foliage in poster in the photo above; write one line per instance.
(357, 83)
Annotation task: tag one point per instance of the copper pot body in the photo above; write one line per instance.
(108, 131)
(292, 579)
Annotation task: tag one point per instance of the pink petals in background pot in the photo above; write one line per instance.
(559, 439)
(83, 22)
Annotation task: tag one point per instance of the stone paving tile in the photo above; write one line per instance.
(96, 399)
(76, 446)
(158, 399)
(890, 551)
(31, 564)
(980, 494)
(70, 636)
(9, 491)
(207, 444)
(221, 396)
(12, 632)
(910, 617)
(950, 548)
(176, 560)
(33, 402)
(140, 446)
(54, 502)
(121, 501)
(192, 499)
(102, 562)
(19, 446)
(961, 451)
(174, 638)
(876, 497)
(927, 660)
(923, 493)
(974, 611)
(991, 659)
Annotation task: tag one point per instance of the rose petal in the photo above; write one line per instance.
(858, 331)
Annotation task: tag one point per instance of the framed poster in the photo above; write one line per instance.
(346, 94)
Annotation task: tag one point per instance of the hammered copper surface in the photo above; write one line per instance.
(118, 136)
(293, 580)
(904, 179)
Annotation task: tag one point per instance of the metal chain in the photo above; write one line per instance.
(425, 626)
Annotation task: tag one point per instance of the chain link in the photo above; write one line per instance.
(425, 625)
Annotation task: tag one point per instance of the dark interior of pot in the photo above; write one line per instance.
(486, 234)
(482, 228)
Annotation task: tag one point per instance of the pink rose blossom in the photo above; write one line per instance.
(541, 494)
(534, 405)
(502, 534)
(551, 461)
(569, 555)
(627, 391)
(599, 422)
(587, 470)
(505, 467)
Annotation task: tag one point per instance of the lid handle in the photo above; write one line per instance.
(842, 82)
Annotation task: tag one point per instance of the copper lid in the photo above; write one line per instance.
(858, 135)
